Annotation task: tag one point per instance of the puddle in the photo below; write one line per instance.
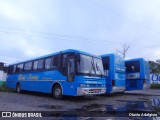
(121, 109)
(124, 107)
(156, 104)
(130, 106)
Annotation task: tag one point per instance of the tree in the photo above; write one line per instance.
(154, 67)
(124, 50)
(158, 61)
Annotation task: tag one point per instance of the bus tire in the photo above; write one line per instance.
(18, 88)
(57, 92)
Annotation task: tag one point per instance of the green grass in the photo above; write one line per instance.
(155, 86)
(4, 89)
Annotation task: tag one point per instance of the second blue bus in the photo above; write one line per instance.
(114, 68)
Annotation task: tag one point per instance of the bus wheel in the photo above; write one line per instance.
(18, 89)
(57, 92)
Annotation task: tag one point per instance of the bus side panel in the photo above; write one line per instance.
(11, 81)
(108, 85)
(36, 81)
(120, 83)
(45, 81)
(111, 74)
(37, 86)
(147, 73)
(142, 69)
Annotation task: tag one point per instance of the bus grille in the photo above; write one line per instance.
(92, 91)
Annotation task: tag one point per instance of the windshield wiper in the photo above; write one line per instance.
(98, 68)
(92, 68)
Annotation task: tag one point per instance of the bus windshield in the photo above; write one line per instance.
(90, 65)
(133, 66)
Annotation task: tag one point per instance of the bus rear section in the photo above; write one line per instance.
(137, 74)
(69, 72)
(114, 68)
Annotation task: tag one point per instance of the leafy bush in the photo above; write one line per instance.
(155, 86)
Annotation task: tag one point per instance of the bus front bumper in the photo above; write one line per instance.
(118, 89)
(90, 91)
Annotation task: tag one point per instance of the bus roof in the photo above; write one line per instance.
(105, 55)
(63, 51)
(111, 55)
(135, 59)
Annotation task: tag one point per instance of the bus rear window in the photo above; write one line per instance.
(133, 66)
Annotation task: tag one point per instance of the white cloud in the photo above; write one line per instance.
(14, 12)
(82, 19)
(157, 53)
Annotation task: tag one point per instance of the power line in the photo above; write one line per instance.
(62, 37)
(118, 14)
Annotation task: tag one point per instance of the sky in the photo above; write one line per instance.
(32, 28)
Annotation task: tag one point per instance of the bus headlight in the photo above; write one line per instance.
(84, 85)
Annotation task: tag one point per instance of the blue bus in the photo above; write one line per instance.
(69, 72)
(137, 74)
(114, 68)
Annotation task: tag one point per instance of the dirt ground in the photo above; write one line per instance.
(111, 107)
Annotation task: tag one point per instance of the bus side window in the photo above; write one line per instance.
(48, 63)
(54, 63)
(64, 64)
(28, 66)
(106, 61)
(40, 64)
(35, 65)
(14, 69)
(71, 69)
(19, 68)
(10, 69)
